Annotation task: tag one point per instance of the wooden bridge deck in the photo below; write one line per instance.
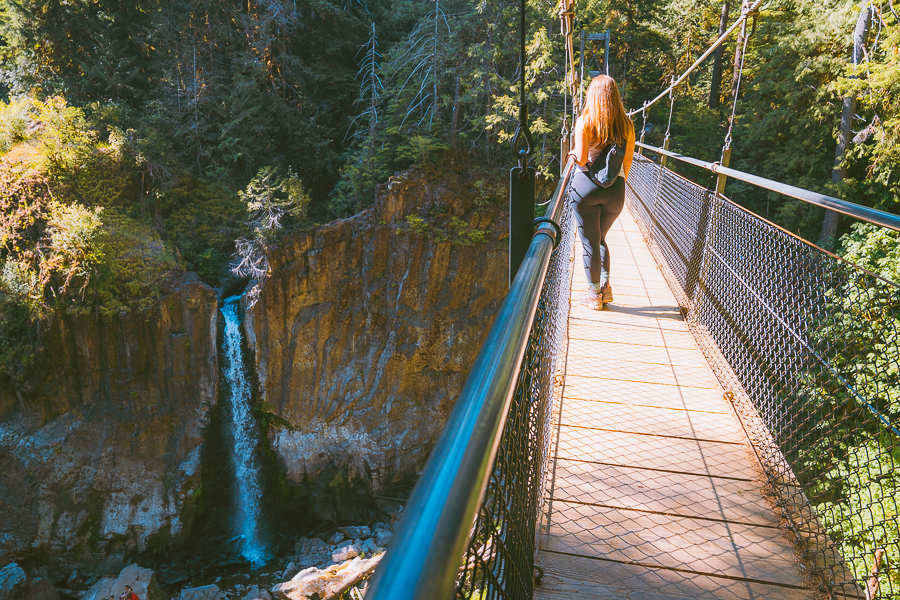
(656, 492)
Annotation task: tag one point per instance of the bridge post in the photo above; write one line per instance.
(565, 146)
(521, 216)
(664, 159)
(606, 54)
(726, 159)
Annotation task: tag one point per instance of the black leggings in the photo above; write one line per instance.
(595, 213)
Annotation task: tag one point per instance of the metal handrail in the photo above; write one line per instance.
(424, 557)
(871, 215)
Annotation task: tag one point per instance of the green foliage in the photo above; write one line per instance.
(850, 457)
(202, 220)
(13, 122)
(21, 284)
(866, 515)
(276, 205)
(66, 141)
(72, 250)
(21, 343)
(136, 264)
(417, 224)
(874, 248)
(441, 229)
(876, 84)
(463, 233)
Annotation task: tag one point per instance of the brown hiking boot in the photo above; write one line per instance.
(606, 294)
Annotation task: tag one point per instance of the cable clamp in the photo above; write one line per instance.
(557, 230)
(524, 133)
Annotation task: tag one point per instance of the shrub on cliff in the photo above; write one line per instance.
(276, 205)
(65, 242)
(202, 220)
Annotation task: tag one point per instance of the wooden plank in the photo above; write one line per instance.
(626, 350)
(730, 549)
(689, 495)
(577, 578)
(650, 336)
(606, 414)
(588, 367)
(645, 394)
(661, 317)
(629, 449)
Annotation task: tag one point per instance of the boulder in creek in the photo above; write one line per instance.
(205, 592)
(40, 589)
(356, 533)
(313, 546)
(13, 580)
(290, 570)
(142, 582)
(326, 583)
(16, 585)
(383, 537)
(345, 552)
(369, 548)
(255, 593)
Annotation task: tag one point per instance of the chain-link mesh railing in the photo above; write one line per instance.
(809, 346)
(499, 562)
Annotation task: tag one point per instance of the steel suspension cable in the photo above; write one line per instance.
(737, 89)
(522, 128)
(744, 15)
(644, 116)
(671, 110)
(565, 18)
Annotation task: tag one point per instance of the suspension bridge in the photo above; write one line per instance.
(722, 430)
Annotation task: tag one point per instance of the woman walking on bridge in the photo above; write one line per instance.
(602, 122)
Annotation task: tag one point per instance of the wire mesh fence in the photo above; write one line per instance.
(809, 345)
(499, 562)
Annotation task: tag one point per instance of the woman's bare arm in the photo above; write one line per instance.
(629, 151)
(579, 147)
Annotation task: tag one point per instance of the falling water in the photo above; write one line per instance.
(244, 438)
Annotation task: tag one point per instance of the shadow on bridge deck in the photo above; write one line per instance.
(656, 493)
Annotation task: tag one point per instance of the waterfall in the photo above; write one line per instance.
(244, 438)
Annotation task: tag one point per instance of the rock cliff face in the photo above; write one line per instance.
(366, 328)
(104, 457)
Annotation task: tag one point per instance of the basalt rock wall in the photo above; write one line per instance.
(102, 457)
(365, 330)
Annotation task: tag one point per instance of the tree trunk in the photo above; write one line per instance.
(455, 112)
(717, 66)
(437, 20)
(373, 81)
(487, 81)
(738, 57)
(860, 36)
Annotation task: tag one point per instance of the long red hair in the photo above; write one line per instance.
(603, 115)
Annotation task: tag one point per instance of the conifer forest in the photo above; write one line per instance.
(138, 137)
